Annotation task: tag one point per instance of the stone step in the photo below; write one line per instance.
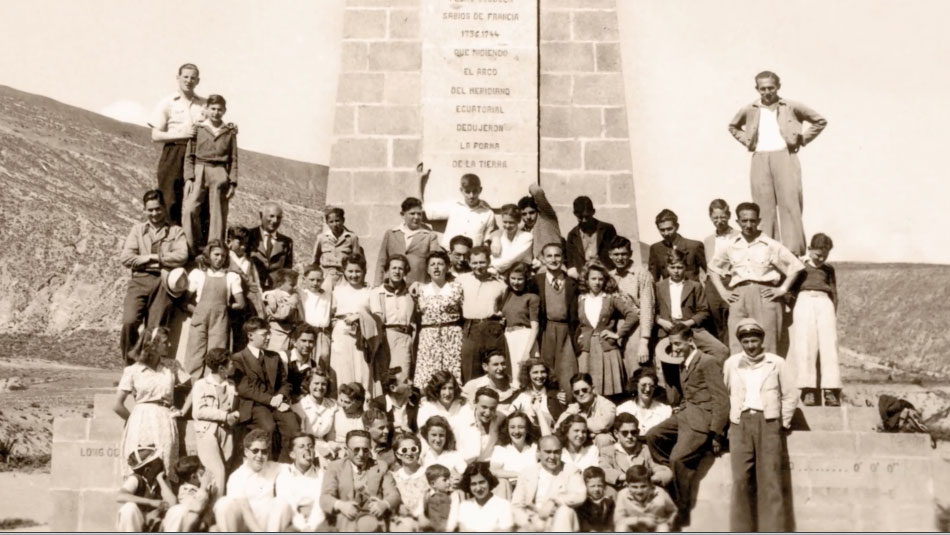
(844, 418)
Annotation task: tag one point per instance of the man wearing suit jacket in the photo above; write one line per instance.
(700, 415)
(557, 317)
(590, 239)
(413, 239)
(547, 492)
(263, 387)
(679, 300)
(668, 224)
(356, 485)
(269, 249)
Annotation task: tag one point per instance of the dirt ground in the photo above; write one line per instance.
(54, 388)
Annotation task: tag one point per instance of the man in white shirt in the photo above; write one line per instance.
(173, 124)
(482, 333)
(763, 398)
(470, 217)
(546, 493)
(250, 502)
(771, 128)
(476, 430)
(299, 485)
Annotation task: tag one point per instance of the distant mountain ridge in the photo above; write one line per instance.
(71, 183)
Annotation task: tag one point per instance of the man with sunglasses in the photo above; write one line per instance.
(359, 493)
(598, 410)
(629, 451)
(700, 416)
(547, 492)
(250, 502)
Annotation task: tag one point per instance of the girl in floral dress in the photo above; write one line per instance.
(440, 335)
(151, 381)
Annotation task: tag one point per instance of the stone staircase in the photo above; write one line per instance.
(844, 476)
(86, 467)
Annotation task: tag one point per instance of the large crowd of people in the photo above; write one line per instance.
(494, 377)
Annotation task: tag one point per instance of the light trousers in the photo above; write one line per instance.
(776, 178)
(814, 341)
(751, 304)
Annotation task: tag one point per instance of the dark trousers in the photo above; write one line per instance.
(674, 443)
(478, 339)
(757, 447)
(269, 419)
(171, 178)
(145, 300)
(718, 313)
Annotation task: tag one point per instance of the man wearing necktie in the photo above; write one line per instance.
(700, 415)
(270, 250)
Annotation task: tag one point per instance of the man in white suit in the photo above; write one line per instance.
(547, 492)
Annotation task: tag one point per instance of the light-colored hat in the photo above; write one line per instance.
(177, 282)
(749, 326)
(664, 352)
(142, 456)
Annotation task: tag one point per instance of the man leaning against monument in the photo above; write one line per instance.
(174, 123)
(771, 128)
(760, 271)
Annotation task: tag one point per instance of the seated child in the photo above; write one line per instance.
(439, 500)
(145, 494)
(215, 413)
(195, 492)
(281, 308)
(641, 507)
(597, 511)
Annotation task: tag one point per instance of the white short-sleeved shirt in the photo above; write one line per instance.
(196, 281)
(587, 457)
(258, 487)
(176, 113)
(509, 459)
(648, 418)
(494, 516)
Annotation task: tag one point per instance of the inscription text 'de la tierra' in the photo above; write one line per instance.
(480, 96)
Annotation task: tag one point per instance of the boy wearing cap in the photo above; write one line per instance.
(763, 397)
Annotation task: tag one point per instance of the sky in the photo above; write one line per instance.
(270, 60)
(876, 69)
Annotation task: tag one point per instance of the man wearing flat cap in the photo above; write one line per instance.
(762, 397)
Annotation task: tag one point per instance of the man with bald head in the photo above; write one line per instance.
(269, 249)
(547, 492)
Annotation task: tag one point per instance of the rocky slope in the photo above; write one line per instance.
(70, 188)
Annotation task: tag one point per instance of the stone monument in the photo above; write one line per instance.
(515, 91)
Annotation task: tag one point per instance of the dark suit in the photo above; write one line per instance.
(281, 254)
(412, 409)
(259, 380)
(338, 484)
(693, 306)
(555, 339)
(702, 411)
(695, 257)
(604, 234)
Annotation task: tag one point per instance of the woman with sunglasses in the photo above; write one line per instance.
(439, 447)
(410, 479)
(579, 449)
(483, 511)
(596, 409)
(648, 410)
(516, 449)
(538, 399)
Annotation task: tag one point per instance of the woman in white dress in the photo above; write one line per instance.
(483, 511)
(648, 411)
(516, 449)
(579, 449)
(354, 328)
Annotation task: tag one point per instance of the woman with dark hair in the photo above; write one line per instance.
(443, 397)
(596, 409)
(600, 307)
(520, 306)
(517, 447)
(151, 381)
(410, 478)
(439, 447)
(648, 410)
(354, 327)
(440, 331)
(538, 398)
(482, 512)
(579, 449)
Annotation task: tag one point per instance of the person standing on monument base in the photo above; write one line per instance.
(760, 271)
(771, 128)
(695, 259)
(589, 240)
(719, 214)
(470, 217)
(270, 250)
(539, 218)
(763, 397)
(151, 250)
(412, 240)
(174, 123)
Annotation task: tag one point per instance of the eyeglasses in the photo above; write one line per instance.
(257, 451)
(628, 433)
(360, 450)
(410, 449)
(580, 391)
